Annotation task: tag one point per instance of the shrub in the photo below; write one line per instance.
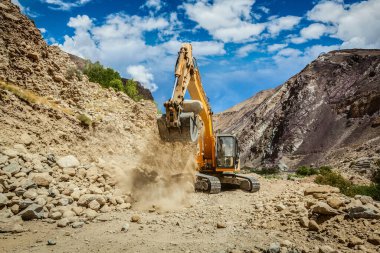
(74, 72)
(306, 171)
(328, 177)
(117, 84)
(98, 74)
(131, 90)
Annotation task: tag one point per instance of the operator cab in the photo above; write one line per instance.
(227, 151)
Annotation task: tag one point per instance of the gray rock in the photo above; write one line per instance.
(324, 209)
(68, 161)
(12, 168)
(77, 224)
(85, 199)
(11, 225)
(274, 248)
(51, 242)
(33, 211)
(3, 200)
(10, 152)
(25, 203)
(125, 227)
(363, 212)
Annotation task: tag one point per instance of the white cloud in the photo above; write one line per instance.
(276, 47)
(313, 31)
(245, 50)
(65, 5)
(154, 5)
(327, 11)
(42, 30)
(264, 9)
(229, 21)
(283, 23)
(357, 25)
(143, 75)
(121, 42)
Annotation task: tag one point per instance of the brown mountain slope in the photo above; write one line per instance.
(326, 114)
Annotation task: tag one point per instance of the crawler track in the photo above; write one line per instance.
(207, 183)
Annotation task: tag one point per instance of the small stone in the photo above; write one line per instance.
(3, 200)
(326, 249)
(125, 227)
(94, 205)
(77, 224)
(363, 212)
(12, 168)
(313, 226)
(68, 214)
(42, 179)
(30, 194)
(26, 139)
(374, 239)
(10, 152)
(63, 222)
(274, 248)
(68, 161)
(364, 199)
(69, 171)
(51, 242)
(33, 211)
(55, 215)
(90, 214)
(280, 207)
(221, 225)
(135, 218)
(353, 241)
(304, 221)
(15, 209)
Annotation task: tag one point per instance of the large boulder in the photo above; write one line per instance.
(33, 211)
(363, 212)
(324, 209)
(321, 189)
(69, 161)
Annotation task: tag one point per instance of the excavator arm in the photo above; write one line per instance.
(185, 120)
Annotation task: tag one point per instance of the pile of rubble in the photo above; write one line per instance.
(43, 186)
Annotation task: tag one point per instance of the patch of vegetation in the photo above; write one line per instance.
(74, 72)
(109, 78)
(85, 120)
(306, 171)
(159, 111)
(24, 95)
(328, 177)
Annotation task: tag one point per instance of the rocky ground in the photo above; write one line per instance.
(284, 216)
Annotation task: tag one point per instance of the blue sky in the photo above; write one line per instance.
(242, 46)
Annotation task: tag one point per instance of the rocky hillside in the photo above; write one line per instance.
(81, 64)
(329, 113)
(70, 149)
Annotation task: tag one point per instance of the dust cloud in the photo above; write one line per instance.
(158, 174)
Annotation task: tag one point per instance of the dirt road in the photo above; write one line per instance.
(248, 223)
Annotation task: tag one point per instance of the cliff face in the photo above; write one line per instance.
(329, 113)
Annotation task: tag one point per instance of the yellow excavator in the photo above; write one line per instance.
(191, 120)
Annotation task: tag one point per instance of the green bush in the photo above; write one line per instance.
(74, 72)
(131, 90)
(328, 177)
(98, 74)
(306, 171)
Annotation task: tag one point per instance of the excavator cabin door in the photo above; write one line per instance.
(227, 153)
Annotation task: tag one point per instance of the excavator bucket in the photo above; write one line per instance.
(187, 132)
